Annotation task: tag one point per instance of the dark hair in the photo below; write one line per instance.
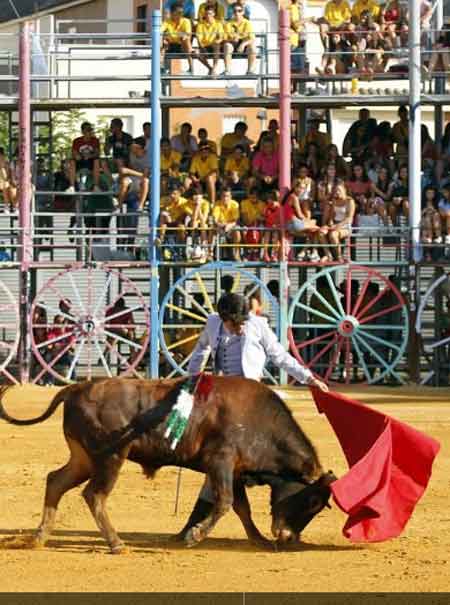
(274, 288)
(227, 282)
(202, 130)
(176, 7)
(188, 124)
(436, 194)
(242, 125)
(140, 141)
(117, 122)
(86, 126)
(233, 307)
(164, 140)
(364, 177)
(145, 124)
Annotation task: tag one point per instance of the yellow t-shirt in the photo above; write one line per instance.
(244, 30)
(337, 15)
(243, 168)
(252, 212)
(295, 14)
(204, 167)
(172, 29)
(209, 33)
(321, 139)
(226, 214)
(220, 13)
(363, 5)
(204, 207)
(167, 162)
(177, 210)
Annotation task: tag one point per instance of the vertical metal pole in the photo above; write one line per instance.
(415, 151)
(155, 192)
(285, 164)
(25, 242)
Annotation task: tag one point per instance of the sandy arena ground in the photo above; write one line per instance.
(143, 512)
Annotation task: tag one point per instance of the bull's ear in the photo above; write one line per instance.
(327, 479)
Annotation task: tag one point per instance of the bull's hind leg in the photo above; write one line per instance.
(221, 477)
(74, 473)
(241, 507)
(96, 493)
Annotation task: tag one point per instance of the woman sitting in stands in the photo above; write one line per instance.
(359, 186)
(326, 188)
(297, 217)
(431, 221)
(337, 224)
(381, 192)
(332, 157)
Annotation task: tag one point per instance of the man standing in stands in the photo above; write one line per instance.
(85, 156)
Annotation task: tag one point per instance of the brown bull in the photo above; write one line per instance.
(240, 433)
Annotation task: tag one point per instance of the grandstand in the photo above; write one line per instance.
(99, 282)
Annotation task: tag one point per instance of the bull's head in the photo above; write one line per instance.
(294, 505)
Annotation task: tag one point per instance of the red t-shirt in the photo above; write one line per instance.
(87, 148)
(272, 216)
(358, 187)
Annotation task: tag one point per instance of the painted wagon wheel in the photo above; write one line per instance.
(9, 330)
(357, 329)
(80, 319)
(439, 287)
(183, 316)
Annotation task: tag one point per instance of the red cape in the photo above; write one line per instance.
(390, 466)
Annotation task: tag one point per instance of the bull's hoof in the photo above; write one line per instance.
(193, 536)
(120, 549)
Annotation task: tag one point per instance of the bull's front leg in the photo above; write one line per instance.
(241, 507)
(221, 480)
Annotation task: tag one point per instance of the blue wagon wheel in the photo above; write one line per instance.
(439, 344)
(349, 323)
(187, 304)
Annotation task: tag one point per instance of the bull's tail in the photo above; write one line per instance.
(59, 398)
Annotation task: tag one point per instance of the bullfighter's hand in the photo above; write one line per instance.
(315, 382)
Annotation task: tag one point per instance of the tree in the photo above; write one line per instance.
(66, 127)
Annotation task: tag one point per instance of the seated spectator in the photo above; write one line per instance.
(119, 322)
(213, 5)
(370, 55)
(326, 187)
(173, 215)
(265, 166)
(236, 185)
(170, 159)
(332, 157)
(336, 224)
(312, 159)
(186, 144)
(85, 156)
(431, 162)
(337, 59)
(198, 210)
(381, 194)
(177, 36)
(237, 162)
(371, 6)
(231, 5)
(359, 135)
(440, 55)
(431, 220)
(240, 40)
(204, 170)
(297, 221)
(444, 211)
(188, 8)
(135, 177)
(210, 36)
(359, 187)
(382, 145)
(272, 224)
(252, 220)
(337, 16)
(202, 136)
(306, 190)
(297, 35)
(400, 196)
(118, 144)
(314, 135)
(226, 217)
(391, 22)
(400, 134)
(237, 137)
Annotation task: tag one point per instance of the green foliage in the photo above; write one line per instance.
(4, 131)
(66, 127)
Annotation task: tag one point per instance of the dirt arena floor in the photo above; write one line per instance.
(143, 512)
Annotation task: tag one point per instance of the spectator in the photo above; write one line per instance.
(337, 223)
(188, 8)
(296, 219)
(213, 5)
(204, 169)
(326, 188)
(210, 36)
(240, 40)
(312, 160)
(5, 181)
(272, 224)
(120, 324)
(359, 186)
(265, 166)
(371, 6)
(202, 135)
(237, 137)
(170, 159)
(226, 216)
(176, 36)
(337, 16)
(400, 134)
(332, 157)
(147, 134)
(186, 144)
(297, 36)
(381, 194)
(231, 6)
(237, 186)
(174, 212)
(431, 220)
(198, 210)
(135, 177)
(237, 162)
(314, 135)
(359, 135)
(273, 133)
(400, 195)
(440, 55)
(85, 156)
(118, 143)
(444, 211)
(431, 162)
(252, 220)
(381, 147)
(227, 284)
(306, 190)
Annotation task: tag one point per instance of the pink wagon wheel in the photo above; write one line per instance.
(9, 331)
(87, 323)
(349, 323)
